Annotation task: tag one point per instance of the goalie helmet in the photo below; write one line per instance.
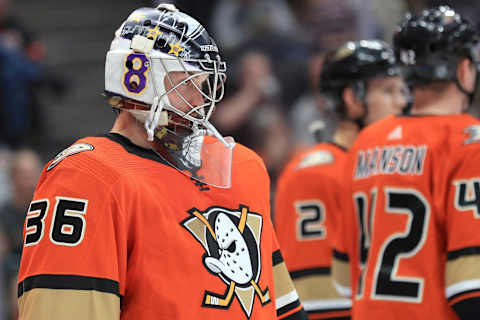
(353, 64)
(431, 44)
(149, 48)
(151, 43)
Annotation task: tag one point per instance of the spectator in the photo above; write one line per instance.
(24, 172)
(257, 84)
(5, 192)
(23, 74)
(269, 136)
(309, 107)
(237, 22)
(270, 27)
(328, 23)
(254, 112)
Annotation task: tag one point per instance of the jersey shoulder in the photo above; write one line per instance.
(87, 153)
(436, 131)
(465, 129)
(92, 158)
(321, 155)
(321, 159)
(243, 155)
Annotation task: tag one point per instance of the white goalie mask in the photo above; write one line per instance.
(155, 54)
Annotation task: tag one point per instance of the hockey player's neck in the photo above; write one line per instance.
(433, 102)
(346, 133)
(127, 126)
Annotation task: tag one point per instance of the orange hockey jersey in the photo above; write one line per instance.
(306, 213)
(413, 238)
(115, 233)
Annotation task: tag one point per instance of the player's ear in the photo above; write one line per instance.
(353, 105)
(466, 74)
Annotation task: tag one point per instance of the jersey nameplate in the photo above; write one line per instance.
(396, 159)
(74, 149)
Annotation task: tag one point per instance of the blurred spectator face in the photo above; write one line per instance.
(385, 96)
(270, 135)
(25, 171)
(256, 74)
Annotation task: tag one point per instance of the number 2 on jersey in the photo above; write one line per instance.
(311, 219)
(399, 246)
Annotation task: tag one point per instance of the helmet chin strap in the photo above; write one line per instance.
(470, 94)
(360, 91)
(156, 117)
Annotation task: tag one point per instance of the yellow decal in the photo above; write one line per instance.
(154, 33)
(137, 16)
(175, 48)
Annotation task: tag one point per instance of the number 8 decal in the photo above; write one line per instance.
(135, 77)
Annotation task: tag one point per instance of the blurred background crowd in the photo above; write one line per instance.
(51, 82)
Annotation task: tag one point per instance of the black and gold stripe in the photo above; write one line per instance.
(287, 302)
(468, 251)
(73, 282)
(316, 271)
(462, 271)
(58, 297)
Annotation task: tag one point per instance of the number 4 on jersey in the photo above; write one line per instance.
(67, 226)
(467, 196)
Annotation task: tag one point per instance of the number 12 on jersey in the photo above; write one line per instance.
(397, 248)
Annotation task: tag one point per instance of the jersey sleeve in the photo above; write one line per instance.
(286, 298)
(74, 258)
(342, 253)
(463, 236)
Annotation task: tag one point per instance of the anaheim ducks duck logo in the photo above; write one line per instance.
(231, 239)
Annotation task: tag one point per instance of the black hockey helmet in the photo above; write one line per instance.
(430, 45)
(352, 64)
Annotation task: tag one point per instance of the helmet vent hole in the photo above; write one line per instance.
(129, 64)
(161, 42)
(133, 85)
(147, 23)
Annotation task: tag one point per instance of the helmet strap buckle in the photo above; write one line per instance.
(142, 44)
